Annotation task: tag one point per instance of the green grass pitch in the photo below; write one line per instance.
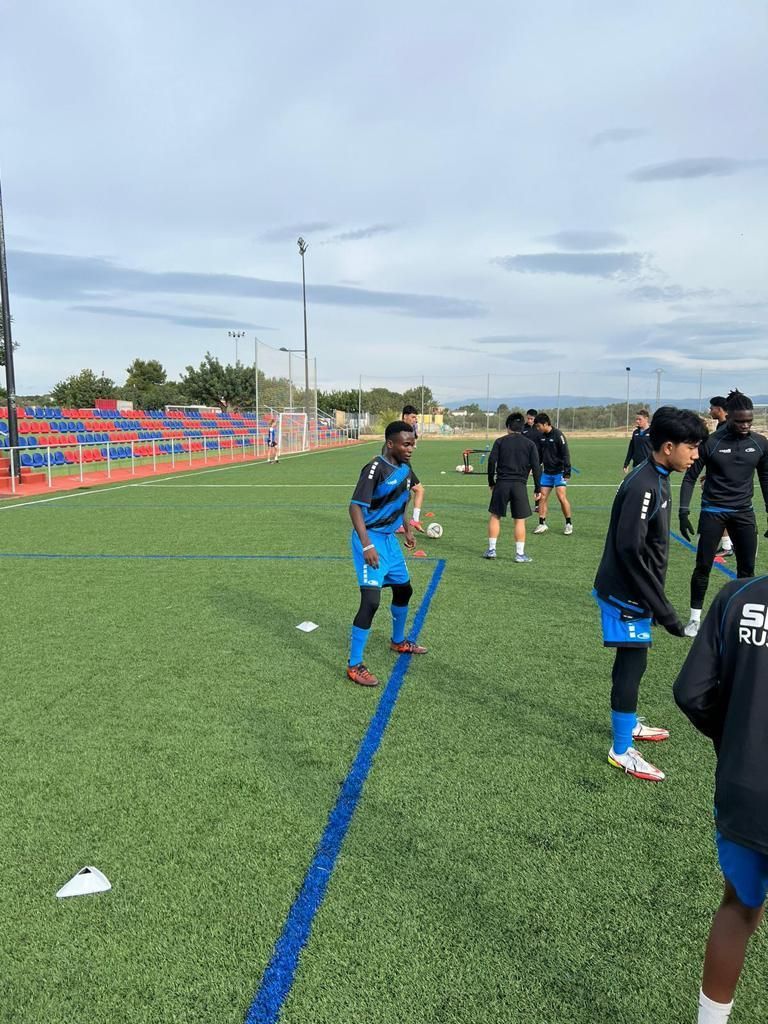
(163, 720)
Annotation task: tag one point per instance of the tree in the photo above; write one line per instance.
(418, 396)
(148, 387)
(214, 384)
(347, 401)
(81, 390)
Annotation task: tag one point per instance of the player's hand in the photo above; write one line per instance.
(566, 476)
(371, 558)
(410, 540)
(686, 526)
(674, 628)
(537, 496)
(766, 534)
(626, 470)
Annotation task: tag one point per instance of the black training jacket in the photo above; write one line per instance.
(634, 563)
(639, 447)
(723, 689)
(730, 462)
(553, 448)
(512, 458)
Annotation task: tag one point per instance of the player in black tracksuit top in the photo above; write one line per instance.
(556, 471)
(723, 689)
(731, 457)
(512, 460)
(629, 585)
(640, 443)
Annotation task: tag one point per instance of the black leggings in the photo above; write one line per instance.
(742, 529)
(370, 599)
(628, 669)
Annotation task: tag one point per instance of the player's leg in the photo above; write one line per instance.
(743, 531)
(726, 546)
(418, 500)
(520, 510)
(543, 505)
(710, 532)
(628, 669)
(370, 599)
(746, 882)
(565, 505)
(402, 592)
(494, 529)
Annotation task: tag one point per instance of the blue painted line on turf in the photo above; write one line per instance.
(278, 978)
(188, 558)
(692, 547)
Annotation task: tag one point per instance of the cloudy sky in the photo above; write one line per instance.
(512, 189)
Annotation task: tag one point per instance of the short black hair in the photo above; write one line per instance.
(736, 401)
(410, 410)
(643, 412)
(717, 401)
(397, 427)
(543, 418)
(514, 421)
(680, 426)
(531, 412)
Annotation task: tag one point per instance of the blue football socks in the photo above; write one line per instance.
(622, 724)
(357, 647)
(399, 615)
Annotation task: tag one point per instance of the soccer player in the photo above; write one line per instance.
(511, 461)
(272, 453)
(629, 586)
(721, 688)
(411, 417)
(720, 416)
(377, 509)
(529, 428)
(556, 463)
(640, 442)
(731, 457)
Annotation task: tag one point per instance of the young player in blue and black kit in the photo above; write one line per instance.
(556, 471)
(640, 443)
(722, 689)
(273, 454)
(629, 585)
(379, 507)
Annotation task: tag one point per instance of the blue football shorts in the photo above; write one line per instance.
(553, 480)
(745, 869)
(623, 627)
(392, 570)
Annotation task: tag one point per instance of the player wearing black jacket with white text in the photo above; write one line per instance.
(512, 460)
(722, 689)
(639, 443)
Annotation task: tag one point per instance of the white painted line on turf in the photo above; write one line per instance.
(72, 494)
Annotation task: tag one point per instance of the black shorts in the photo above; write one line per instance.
(512, 493)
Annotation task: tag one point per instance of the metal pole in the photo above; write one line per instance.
(359, 406)
(314, 361)
(10, 374)
(701, 385)
(658, 387)
(422, 404)
(628, 368)
(256, 376)
(302, 249)
(290, 382)
(487, 405)
(557, 417)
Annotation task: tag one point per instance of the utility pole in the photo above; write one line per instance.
(303, 246)
(658, 387)
(627, 368)
(10, 375)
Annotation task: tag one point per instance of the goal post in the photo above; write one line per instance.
(292, 433)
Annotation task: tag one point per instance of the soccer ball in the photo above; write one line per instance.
(460, 469)
(434, 530)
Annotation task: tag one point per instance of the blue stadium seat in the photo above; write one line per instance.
(26, 459)
(38, 459)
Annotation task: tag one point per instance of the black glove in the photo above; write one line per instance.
(686, 526)
(674, 628)
(766, 534)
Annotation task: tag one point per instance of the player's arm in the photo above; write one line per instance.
(762, 475)
(628, 456)
(493, 460)
(370, 477)
(536, 470)
(370, 554)
(697, 688)
(631, 538)
(691, 476)
(565, 455)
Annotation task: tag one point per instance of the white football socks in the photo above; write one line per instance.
(711, 1012)
(520, 547)
(695, 614)
(492, 543)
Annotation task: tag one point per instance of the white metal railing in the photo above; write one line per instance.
(213, 448)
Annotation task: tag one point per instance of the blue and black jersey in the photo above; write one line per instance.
(731, 462)
(382, 492)
(639, 447)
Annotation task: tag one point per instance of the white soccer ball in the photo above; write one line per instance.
(460, 469)
(434, 530)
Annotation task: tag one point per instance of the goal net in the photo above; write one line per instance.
(293, 433)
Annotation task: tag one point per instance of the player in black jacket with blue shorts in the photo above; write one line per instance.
(731, 456)
(723, 689)
(629, 586)
(556, 471)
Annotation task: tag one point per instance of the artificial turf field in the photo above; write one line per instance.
(164, 720)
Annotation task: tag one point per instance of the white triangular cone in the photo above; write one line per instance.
(87, 880)
(307, 627)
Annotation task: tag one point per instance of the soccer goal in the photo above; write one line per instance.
(293, 433)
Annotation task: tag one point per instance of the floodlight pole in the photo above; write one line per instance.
(236, 335)
(303, 246)
(10, 374)
(557, 417)
(359, 405)
(487, 405)
(658, 387)
(701, 385)
(628, 369)
(256, 376)
(422, 404)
